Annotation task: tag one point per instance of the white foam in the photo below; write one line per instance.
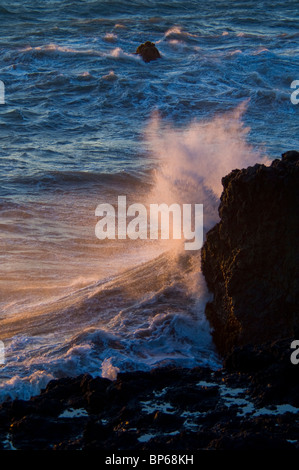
(108, 370)
(74, 413)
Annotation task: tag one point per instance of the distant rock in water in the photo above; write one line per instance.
(148, 51)
(251, 257)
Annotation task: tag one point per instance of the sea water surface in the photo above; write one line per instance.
(86, 120)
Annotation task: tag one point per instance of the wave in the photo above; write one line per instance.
(55, 49)
(65, 179)
(130, 325)
(119, 53)
(4, 11)
(51, 48)
(152, 313)
(178, 33)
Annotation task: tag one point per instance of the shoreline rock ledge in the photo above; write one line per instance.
(250, 259)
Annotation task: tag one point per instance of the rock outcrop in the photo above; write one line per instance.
(148, 51)
(250, 259)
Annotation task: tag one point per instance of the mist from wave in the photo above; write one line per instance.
(102, 319)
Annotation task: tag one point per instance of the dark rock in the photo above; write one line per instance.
(250, 259)
(20, 408)
(193, 397)
(40, 432)
(274, 379)
(94, 391)
(163, 376)
(167, 422)
(95, 432)
(123, 389)
(168, 409)
(130, 413)
(254, 358)
(291, 156)
(97, 384)
(148, 51)
(250, 441)
(63, 388)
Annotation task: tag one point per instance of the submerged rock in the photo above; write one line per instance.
(148, 51)
(250, 258)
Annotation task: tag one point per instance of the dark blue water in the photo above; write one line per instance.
(75, 131)
(63, 113)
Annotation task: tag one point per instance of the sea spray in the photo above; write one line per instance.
(153, 312)
(158, 220)
(108, 370)
(193, 159)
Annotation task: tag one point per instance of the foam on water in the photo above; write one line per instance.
(118, 325)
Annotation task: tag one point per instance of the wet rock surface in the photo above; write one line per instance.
(250, 259)
(245, 405)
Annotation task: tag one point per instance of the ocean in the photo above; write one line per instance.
(85, 120)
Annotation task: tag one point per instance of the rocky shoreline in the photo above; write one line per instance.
(250, 261)
(252, 403)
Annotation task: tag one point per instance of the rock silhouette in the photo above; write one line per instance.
(250, 258)
(148, 51)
